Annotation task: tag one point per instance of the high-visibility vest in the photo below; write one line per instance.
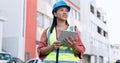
(66, 54)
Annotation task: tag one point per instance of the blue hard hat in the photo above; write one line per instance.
(60, 3)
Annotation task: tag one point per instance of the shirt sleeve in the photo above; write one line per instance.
(42, 43)
(79, 45)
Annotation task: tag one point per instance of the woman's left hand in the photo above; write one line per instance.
(70, 41)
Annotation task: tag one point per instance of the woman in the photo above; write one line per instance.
(48, 46)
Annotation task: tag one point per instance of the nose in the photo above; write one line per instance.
(65, 12)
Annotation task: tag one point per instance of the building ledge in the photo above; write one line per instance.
(2, 19)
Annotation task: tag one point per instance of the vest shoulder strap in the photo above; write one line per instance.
(48, 35)
(48, 32)
(73, 28)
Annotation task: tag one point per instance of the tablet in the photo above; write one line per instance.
(65, 34)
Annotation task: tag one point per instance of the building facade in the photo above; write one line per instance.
(94, 32)
(19, 28)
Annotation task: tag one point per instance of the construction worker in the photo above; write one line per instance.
(49, 44)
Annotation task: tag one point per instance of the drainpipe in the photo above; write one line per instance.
(1, 32)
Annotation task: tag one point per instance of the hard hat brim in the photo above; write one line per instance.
(68, 7)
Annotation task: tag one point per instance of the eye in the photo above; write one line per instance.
(61, 10)
(66, 10)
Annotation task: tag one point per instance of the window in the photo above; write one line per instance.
(38, 33)
(104, 33)
(46, 22)
(70, 13)
(92, 9)
(100, 59)
(99, 30)
(78, 16)
(39, 19)
(73, 14)
(95, 59)
(98, 14)
(104, 19)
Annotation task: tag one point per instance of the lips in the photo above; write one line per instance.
(65, 16)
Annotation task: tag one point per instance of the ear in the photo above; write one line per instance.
(54, 14)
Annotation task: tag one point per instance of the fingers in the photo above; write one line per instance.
(56, 45)
(70, 41)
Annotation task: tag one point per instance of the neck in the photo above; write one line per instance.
(61, 23)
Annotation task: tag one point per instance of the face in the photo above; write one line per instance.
(61, 13)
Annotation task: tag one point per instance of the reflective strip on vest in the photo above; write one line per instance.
(62, 57)
(65, 53)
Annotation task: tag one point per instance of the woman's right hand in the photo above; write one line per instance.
(56, 45)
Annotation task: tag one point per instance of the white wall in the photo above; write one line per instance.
(84, 20)
(1, 36)
(13, 39)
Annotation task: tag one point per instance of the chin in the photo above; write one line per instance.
(65, 19)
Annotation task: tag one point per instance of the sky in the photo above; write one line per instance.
(112, 10)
